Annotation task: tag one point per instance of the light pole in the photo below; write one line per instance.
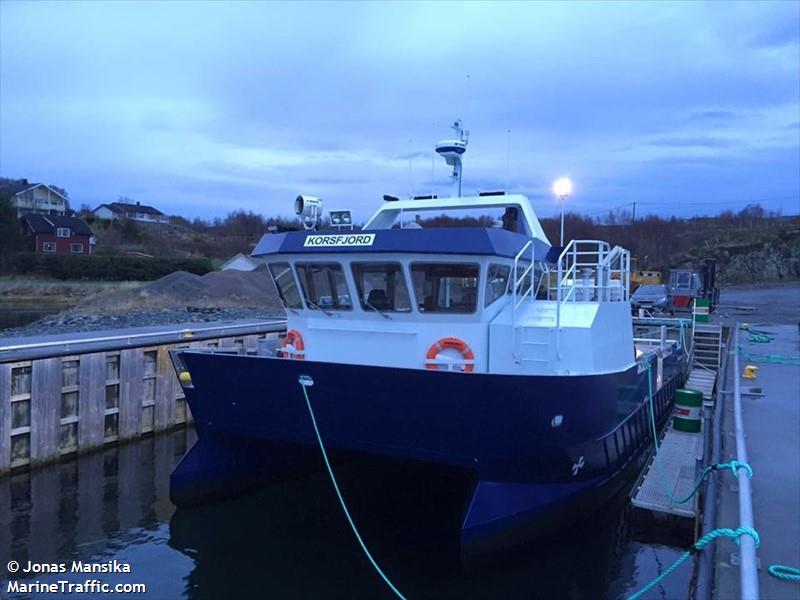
(562, 188)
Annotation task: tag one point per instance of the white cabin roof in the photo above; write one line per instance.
(388, 213)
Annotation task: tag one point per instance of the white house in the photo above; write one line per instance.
(134, 212)
(34, 198)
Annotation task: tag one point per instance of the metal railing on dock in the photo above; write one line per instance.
(748, 570)
(72, 393)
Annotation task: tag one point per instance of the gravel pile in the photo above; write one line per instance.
(177, 298)
(218, 289)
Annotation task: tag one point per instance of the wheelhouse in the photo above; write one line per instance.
(473, 299)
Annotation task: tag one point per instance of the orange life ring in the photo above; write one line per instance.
(452, 343)
(294, 339)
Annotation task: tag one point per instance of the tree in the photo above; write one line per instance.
(11, 239)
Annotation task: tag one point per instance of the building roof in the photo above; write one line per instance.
(239, 257)
(49, 223)
(125, 208)
(12, 187)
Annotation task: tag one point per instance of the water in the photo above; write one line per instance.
(292, 541)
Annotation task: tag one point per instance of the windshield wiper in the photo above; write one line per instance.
(318, 307)
(377, 310)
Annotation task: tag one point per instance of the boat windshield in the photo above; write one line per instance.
(381, 287)
(324, 286)
(287, 288)
(445, 287)
(496, 282)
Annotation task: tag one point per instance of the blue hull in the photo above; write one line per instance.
(531, 477)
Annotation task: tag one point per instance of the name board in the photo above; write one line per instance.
(337, 241)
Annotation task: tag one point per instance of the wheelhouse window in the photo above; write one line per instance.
(324, 286)
(381, 287)
(496, 282)
(287, 288)
(445, 287)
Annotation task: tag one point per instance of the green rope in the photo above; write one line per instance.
(704, 541)
(341, 498)
(785, 573)
(776, 359)
(756, 336)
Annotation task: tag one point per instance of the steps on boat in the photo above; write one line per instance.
(680, 454)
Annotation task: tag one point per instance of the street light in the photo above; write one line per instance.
(562, 188)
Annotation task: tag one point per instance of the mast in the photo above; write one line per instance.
(451, 151)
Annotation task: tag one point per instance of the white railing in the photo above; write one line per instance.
(518, 280)
(604, 272)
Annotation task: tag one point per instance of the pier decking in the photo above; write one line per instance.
(680, 455)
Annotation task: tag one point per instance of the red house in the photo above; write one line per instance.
(56, 233)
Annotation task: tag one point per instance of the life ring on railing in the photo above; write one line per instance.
(467, 364)
(293, 346)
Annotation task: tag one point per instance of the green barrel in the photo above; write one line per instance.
(688, 408)
(702, 308)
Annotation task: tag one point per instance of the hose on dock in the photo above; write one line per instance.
(304, 382)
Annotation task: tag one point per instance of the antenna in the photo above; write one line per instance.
(410, 158)
(451, 151)
(508, 156)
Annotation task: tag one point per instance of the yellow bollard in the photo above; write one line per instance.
(750, 372)
(185, 378)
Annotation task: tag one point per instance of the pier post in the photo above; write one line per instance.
(45, 409)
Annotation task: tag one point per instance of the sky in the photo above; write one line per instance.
(200, 109)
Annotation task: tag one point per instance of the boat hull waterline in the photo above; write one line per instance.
(542, 450)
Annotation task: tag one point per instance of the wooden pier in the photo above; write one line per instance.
(60, 395)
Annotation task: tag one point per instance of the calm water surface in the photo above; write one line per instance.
(292, 541)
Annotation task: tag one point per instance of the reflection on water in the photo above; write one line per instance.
(291, 540)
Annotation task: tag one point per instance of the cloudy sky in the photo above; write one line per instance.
(200, 109)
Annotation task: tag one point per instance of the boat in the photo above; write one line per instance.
(483, 349)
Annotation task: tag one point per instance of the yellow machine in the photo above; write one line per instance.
(644, 278)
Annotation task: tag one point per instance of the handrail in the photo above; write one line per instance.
(748, 572)
(184, 333)
(516, 282)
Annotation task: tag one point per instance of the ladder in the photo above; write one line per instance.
(707, 346)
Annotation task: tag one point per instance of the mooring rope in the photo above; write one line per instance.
(780, 571)
(303, 383)
(704, 541)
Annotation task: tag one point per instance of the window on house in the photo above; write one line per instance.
(76, 248)
(324, 286)
(496, 282)
(63, 232)
(381, 287)
(445, 287)
(48, 246)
